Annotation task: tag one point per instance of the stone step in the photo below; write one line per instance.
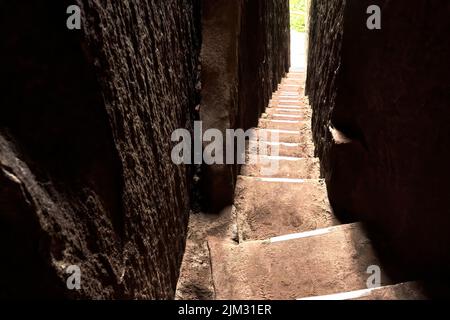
(293, 81)
(288, 136)
(285, 84)
(401, 291)
(289, 103)
(266, 207)
(299, 84)
(286, 105)
(195, 280)
(273, 115)
(296, 75)
(288, 110)
(299, 93)
(287, 94)
(288, 116)
(286, 167)
(283, 124)
(291, 95)
(302, 136)
(285, 149)
(290, 88)
(322, 262)
(287, 97)
(277, 97)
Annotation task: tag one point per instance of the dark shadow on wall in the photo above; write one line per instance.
(245, 54)
(389, 91)
(51, 112)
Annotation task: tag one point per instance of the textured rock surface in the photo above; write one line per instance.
(288, 167)
(333, 262)
(85, 124)
(264, 56)
(301, 206)
(245, 52)
(326, 26)
(220, 79)
(390, 96)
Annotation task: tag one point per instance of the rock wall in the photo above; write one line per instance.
(326, 27)
(85, 125)
(386, 92)
(219, 102)
(264, 56)
(245, 53)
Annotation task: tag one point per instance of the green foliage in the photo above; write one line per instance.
(298, 15)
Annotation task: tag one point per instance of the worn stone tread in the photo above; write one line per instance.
(332, 262)
(267, 208)
(403, 291)
(286, 167)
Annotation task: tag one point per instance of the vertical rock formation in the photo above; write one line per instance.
(220, 82)
(86, 176)
(326, 26)
(86, 119)
(264, 56)
(245, 53)
(386, 92)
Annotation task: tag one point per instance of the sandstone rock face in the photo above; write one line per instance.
(86, 119)
(264, 56)
(326, 26)
(245, 53)
(386, 91)
(220, 79)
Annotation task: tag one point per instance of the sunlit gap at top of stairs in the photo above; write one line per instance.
(298, 12)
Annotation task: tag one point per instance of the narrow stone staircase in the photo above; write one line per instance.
(281, 240)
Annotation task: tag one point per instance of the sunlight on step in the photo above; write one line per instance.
(281, 131)
(302, 235)
(343, 295)
(285, 180)
(281, 158)
(282, 121)
(285, 144)
(287, 110)
(287, 115)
